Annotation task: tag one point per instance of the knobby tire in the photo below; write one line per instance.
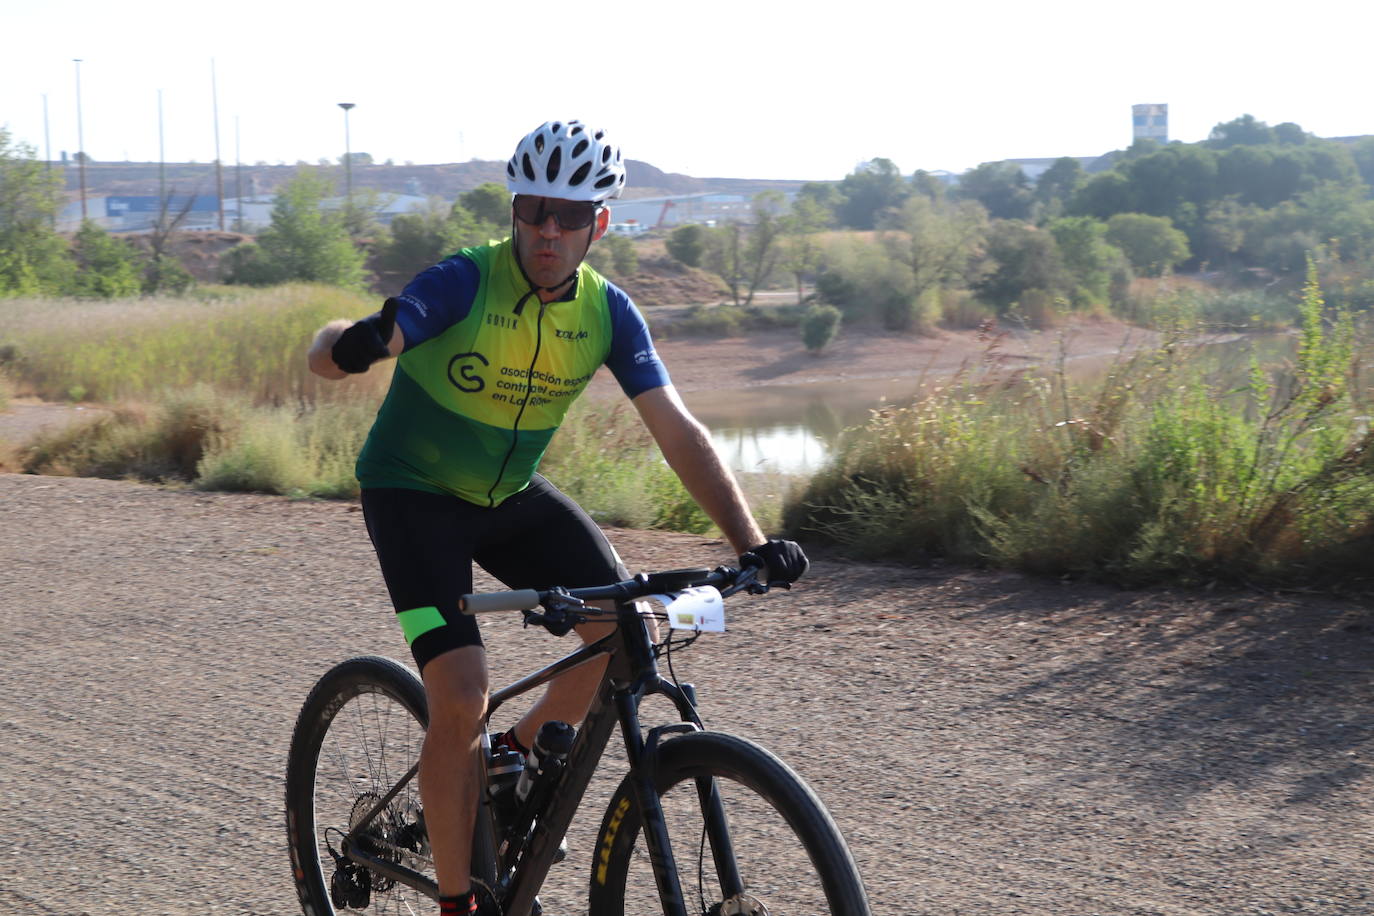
(358, 733)
(790, 855)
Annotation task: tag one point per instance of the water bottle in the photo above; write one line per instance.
(504, 767)
(547, 756)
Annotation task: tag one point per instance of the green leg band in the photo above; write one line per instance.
(416, 622)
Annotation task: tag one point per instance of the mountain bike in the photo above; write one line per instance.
(702, 823)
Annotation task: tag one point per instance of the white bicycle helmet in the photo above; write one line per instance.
(567, 160)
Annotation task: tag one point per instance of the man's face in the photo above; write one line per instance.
(549, 252)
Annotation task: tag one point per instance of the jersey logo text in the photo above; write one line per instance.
(466, 379)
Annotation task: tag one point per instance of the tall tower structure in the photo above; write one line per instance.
(1150, 122)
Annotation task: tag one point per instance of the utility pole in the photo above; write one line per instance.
(219, 171)
(161, 159)
(348, 166)
(47, 152)
(238, 179)
(80, 140)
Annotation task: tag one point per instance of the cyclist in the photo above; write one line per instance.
(494, 344)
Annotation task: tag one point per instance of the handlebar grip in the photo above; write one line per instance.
(488, 602)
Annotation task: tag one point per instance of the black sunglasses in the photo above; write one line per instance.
(570, 215)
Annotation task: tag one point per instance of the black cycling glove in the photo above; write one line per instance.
(366, 341)
(784, 561)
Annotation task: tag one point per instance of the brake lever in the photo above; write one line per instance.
(746, 581)
(561, 613)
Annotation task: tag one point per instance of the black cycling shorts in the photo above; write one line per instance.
(427, 542)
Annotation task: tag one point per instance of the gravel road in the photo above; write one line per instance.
(989, 743)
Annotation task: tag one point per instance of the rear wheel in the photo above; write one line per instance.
(789, 856)
(357, 735)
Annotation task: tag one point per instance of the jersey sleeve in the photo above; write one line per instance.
(437, 298)
(633, 360)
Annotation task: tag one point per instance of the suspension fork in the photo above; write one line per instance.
(684, 696)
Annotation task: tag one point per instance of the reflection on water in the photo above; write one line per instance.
(792, 428)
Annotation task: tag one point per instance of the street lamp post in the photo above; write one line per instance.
(80, 140)
(348, 165)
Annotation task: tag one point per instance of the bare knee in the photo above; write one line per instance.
(456, 688)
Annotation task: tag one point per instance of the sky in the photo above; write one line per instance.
(711, 88)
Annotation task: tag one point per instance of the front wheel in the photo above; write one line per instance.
(784, 856)
(357, 735)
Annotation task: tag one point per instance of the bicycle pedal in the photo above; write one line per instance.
(561, 853)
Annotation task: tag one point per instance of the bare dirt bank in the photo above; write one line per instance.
(989, 743)
(779, 357)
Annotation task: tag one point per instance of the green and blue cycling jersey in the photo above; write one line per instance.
(480, 391)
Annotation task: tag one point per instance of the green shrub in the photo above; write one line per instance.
(687, 244)
(215, 442)
(819, 326)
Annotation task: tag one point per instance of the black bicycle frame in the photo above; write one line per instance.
(631, 675)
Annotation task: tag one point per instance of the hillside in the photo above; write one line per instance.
(446, 180)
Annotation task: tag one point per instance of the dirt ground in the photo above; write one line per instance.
(779, 357)
(988, 743)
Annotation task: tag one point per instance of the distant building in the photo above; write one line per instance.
(666, 212)
(1150, 122)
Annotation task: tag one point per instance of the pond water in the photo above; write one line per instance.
(792, 429)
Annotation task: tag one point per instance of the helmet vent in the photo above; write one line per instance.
(556, 128)
(580, 148)
(576, 129)
(555, 161)
(539, 144)
(605, 182)
(527, 167)
(510, 168)
(580, 175)
(605, 154)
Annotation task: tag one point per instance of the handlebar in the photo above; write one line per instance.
(728, 579)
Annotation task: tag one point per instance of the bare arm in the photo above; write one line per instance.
(687, 446)
(320, 357)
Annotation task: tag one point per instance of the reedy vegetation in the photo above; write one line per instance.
(215, 392)
(1166, 470)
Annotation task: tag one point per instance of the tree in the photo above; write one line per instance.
(488, 203)
(762, 252)
(1364, 160)
(424, 237)
(302, 243)
(1001, 187)
(1058, 184)
(869, 190)
(801, 252)
(865, 281)
(33, 258)
(1023, 258)
(1290, 134)
(1151, 243)
(1243, 131)
(361, 213)
(923, 182)
(724, 257)
(107, 268)
(1093, 262)
(1103, 195)
(687, 244)
(164, 273)
(825, 195)
(939, 242)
